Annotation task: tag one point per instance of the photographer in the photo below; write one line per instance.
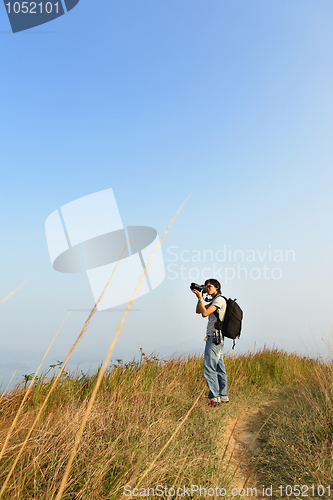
(213, 365)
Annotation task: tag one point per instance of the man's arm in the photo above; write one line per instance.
(197, 308)
(205, 310)
(201, 308)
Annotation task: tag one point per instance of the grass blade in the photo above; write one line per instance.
(102, 371)
(27, 393)
(12, 293)
(171, 438)
(85, 326)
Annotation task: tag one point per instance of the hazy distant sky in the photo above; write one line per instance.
(229, 101)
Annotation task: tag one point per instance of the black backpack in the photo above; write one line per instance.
(232, 323)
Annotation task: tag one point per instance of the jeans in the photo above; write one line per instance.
(214, 369)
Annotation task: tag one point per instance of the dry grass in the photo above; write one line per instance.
(79, 436)
(107, 358)
(14, 291)
(137, 410)
(94, 392)
(139, 407)
(303, 453)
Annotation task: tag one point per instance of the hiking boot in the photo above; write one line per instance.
(224, 399)
(214, 401)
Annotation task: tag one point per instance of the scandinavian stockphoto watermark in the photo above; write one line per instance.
(227, 263)
(87, 235)
(24, 15)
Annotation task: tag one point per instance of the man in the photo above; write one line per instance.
(213, 365)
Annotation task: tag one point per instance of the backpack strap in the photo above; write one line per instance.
(217, 316)
(216, 313)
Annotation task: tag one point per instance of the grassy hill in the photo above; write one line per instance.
(151, 427)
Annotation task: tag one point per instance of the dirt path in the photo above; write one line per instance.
(242, 439)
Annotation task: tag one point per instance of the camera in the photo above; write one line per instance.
(199, 288)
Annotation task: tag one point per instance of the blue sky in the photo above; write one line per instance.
(230, 102)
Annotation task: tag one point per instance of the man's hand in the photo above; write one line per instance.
(201, 308)
(198, 294)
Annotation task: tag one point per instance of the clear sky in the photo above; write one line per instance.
(229, 101)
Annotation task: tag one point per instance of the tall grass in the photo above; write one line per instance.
(303, 453)
(98, 382)
(138, 408)
(107, 358)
